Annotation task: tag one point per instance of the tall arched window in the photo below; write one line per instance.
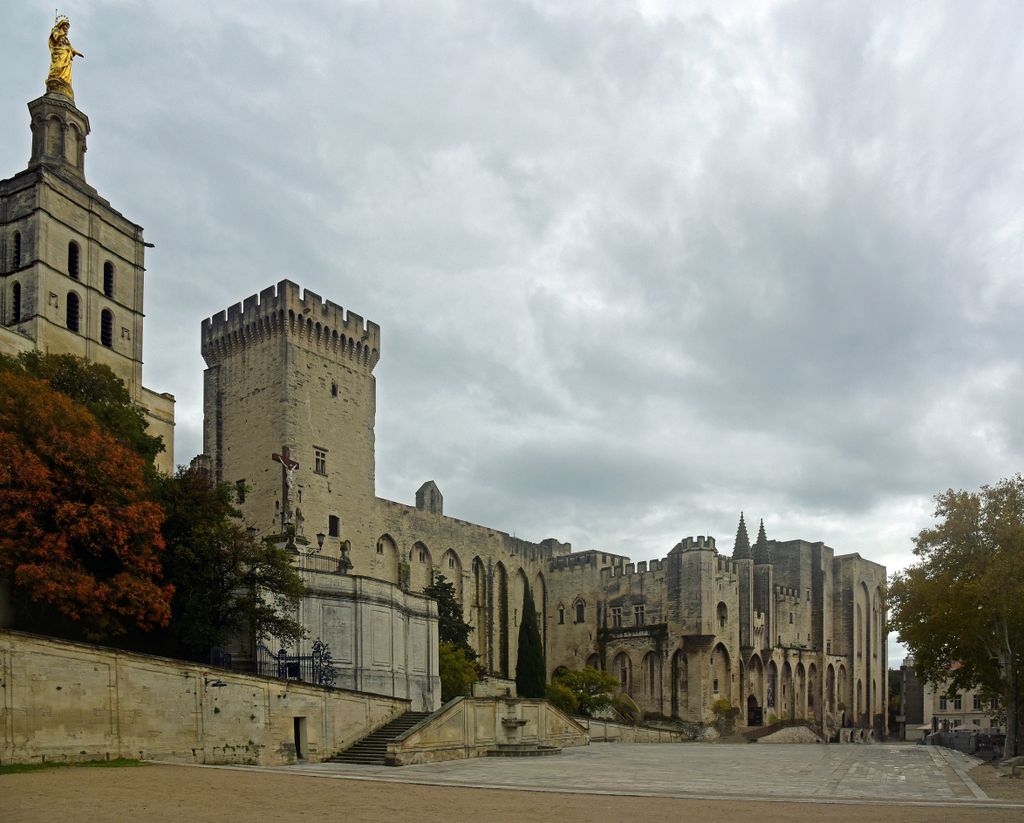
(108, 279)
(16, 303)
(107, 328)
(581, 611)
(16, 256)
(72, 311)
(73, 261)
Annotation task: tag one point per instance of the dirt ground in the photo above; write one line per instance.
(175, 793)
(992, 781)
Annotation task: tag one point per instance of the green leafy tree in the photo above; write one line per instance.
(97, 388)
(963, 602)
(227, 582)
(451, 626)
(531, 676)
(458, 672)
(561, 697)
(592, 688)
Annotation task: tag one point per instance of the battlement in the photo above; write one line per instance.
(727, 565)
(695, 543)
(631, 569)
(786, 591)
(317, 324)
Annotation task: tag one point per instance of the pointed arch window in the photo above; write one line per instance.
(74, 253)
(16, 256)
(107, 328)
(108, 279)
(72, 313)
(16, 303)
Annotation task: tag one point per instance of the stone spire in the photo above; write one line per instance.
(741, 549)
(762, 554)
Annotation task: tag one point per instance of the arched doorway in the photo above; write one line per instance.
(721, 674)
(754, 713)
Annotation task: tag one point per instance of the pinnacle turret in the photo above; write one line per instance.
(741, 549)
(762, 554)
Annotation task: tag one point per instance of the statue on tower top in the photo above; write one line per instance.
(61, 55)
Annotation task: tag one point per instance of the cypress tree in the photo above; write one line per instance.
(530, 669)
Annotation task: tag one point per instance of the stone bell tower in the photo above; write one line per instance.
(71, 266)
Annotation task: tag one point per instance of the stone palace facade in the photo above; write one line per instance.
(780, 629)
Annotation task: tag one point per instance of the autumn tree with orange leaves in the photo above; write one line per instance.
(80, 542)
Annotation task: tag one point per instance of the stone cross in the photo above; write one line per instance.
(288, 467)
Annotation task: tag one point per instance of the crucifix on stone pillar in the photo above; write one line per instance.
(288, 467)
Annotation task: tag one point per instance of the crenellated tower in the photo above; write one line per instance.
(289, 407)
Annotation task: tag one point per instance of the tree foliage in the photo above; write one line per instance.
(227, 583)
(79, 540)
(561, 697)
(458, 672)
(531, 674)
(592, 688)
(960, 609)
(451, 626)
(98, 389)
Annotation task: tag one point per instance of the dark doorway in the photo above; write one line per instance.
(300, 738)
(754, 712)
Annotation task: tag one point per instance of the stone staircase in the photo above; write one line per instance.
(371, 749)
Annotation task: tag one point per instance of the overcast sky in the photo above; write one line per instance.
(637, 266)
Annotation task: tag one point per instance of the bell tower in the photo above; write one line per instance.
(71, 266)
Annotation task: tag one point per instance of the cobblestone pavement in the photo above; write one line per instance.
(881, 772)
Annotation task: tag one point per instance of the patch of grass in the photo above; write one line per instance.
(21, 768)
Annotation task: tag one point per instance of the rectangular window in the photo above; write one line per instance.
(977, 703)
(638, 615)
(451, 562)
(561, 615)
(616, 616)
(791, 618)
(320, 460)
(239, 491)
(943, 704)
(958, 702)
(334, 526)
(714, 685)
(828, 647)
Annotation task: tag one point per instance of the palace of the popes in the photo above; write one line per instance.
(783, 628)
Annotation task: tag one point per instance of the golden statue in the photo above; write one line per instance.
(61, 55)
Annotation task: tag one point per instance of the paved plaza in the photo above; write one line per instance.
(844, 773)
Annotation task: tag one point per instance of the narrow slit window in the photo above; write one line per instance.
(16, 256)
(107, 328)
(73, 260)
(108, 279)
(16, 303)
(72, 311)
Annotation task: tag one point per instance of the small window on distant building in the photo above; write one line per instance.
(320, 461)
(976, 705)
(958, 702)
(581, 611)
(791, 618)
(239, 491)
(714, 685)
(943, 704)
(16, 303)
(380, 547)
(333, 526)
(16, 256)
(616, 616)
(72, 311)
(423, 556)
(515, 617)
(451, 562)
(334, 389)
(108, 279)
(638, 615)
(561, 615)
(828, 647)
(73, 261)
(107, 328)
